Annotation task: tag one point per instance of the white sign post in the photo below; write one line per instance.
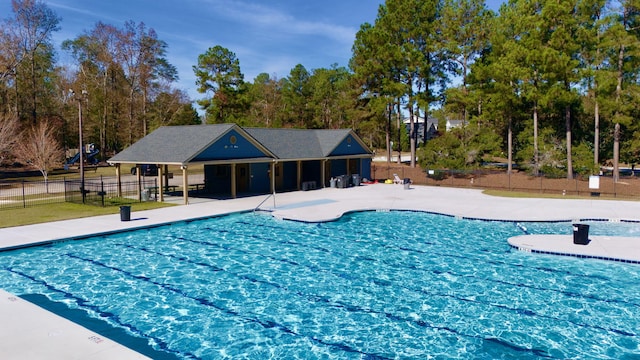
(594, 184)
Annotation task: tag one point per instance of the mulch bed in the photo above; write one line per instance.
(626, 187)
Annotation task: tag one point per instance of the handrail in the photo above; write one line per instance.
(265, 200)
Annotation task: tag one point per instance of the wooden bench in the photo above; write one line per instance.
(196, 187)
(170, 188)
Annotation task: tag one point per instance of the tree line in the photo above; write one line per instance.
(551, 85)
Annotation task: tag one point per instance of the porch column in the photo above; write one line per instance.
(118, 181)
(348, 167)
(323, 172)
(273, 177)
(233, 181)
(185, 185)
(161, 181)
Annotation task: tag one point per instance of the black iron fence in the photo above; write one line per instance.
(99, 192)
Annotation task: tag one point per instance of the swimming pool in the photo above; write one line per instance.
(373, 285)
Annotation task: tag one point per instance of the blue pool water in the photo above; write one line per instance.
(373, 285)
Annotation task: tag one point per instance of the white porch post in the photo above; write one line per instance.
(273, 177)
(161, 181)
(118, 180)
(323, 172)
(185, 185)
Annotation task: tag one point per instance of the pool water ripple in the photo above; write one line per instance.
(371, 285)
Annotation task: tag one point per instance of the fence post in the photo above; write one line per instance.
(24, 200)
(102, 193)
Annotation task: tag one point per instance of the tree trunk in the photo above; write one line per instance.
(388, 132)
(616, 133)
(412, 136)
(596, 134)
(616, 152)
(510, 146)
(399, 117)
(567, 124)
(536, 165)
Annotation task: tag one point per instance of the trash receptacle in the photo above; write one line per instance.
(355, 179)
(581, 234)
(125, 213)
(407, 183)
(332, 182)
(346, 181)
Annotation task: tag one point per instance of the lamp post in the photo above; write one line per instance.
(80, 145)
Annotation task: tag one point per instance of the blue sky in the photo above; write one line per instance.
(267, 36)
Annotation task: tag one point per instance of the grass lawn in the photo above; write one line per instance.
(516, 194)
(64, 211)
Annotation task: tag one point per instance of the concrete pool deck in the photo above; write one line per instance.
(29, 332)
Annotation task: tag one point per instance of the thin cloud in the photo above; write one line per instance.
(276, 21)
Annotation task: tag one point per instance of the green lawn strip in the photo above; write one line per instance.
(64, 211)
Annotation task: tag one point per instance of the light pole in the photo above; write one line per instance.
(80, 145)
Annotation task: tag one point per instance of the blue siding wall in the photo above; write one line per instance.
(217, 179)
(338, 167)
(365, 169)
(349, 146)
(260, 182)
(312, 171)
(290, 175)
(230, 146)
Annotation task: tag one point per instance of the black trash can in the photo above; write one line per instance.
(125, 213)
(581, 234)
(407, 183)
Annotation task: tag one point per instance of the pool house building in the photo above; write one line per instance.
(248, 161)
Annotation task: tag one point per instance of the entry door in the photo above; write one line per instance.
(354, 167)
(242, 177)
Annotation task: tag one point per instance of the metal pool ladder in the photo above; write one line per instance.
(265, 200)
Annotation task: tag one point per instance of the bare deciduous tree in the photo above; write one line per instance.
(8, 134)
(40, 148)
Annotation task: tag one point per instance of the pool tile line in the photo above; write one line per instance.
(100, 327)
(84, 304)
(504, 307)
(397, 247)
(517, 310)
(356, 308)
(267, 324)
(580, 256)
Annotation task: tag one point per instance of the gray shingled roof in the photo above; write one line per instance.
(180, 144)
(173, 144)
(299, 143)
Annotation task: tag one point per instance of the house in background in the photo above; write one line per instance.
(419, 123)
(452, 124)
(240, 160)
